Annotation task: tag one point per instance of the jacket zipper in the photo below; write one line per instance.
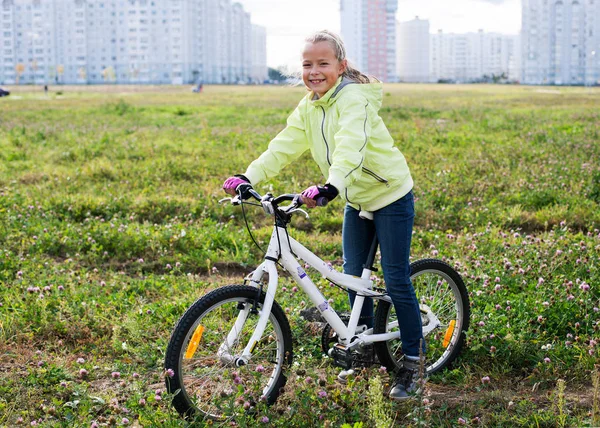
(375, 176)
(323, 133)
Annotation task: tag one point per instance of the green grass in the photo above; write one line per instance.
(110, 228)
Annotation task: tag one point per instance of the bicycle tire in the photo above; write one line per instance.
(449, 302)
(219, 395)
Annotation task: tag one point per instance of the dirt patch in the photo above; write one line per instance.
(454, 396)
(33, 178)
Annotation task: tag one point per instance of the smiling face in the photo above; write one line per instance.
(320, 67)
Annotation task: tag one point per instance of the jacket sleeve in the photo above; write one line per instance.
(350, 142)
(286, 147)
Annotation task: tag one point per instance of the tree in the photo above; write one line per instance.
(108, 74)
(276, 75)
(19, 69)
(34, 68)
(497, 78)
(60, 70)
(134, 72)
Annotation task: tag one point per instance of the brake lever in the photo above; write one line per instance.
(234, 201)
(296, 203)
(292, 209)
(302, 211)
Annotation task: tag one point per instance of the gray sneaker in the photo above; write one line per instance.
(344, 375)
(407, 383)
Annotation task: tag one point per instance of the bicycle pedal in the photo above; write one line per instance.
(341, 356)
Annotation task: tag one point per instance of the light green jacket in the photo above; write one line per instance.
(349, 142)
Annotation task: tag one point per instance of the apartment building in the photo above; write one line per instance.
(561, 42)
(368, 28)
(259, 54)
(413, 50)
(129, 41)
(468, 57)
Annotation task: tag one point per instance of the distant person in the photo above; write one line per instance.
(198, 88)
(46, 89)
(338, 122)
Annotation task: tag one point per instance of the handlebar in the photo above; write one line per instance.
(270, 203)
(321, 201)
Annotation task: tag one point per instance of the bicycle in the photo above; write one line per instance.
(246, 338)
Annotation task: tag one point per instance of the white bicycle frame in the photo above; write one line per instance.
(284, 249)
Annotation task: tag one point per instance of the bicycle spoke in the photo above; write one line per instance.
(438, 288)
(210, 382)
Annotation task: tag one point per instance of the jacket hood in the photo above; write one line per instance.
(373, 92)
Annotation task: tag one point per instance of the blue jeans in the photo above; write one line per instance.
(393, 226)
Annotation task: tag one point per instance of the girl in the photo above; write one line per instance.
(338, 121)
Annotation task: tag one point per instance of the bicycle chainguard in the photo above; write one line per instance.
(341, 356)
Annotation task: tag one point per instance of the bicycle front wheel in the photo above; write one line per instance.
(445, 312)
(205, 343)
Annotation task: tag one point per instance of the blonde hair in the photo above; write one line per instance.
(340, 53)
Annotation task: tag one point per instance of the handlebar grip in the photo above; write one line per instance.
(245, 190)
(243, 186)
(322, 201)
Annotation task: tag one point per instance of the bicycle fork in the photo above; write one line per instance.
(225, 356)
(232, 338)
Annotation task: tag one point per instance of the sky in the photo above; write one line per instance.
(288, 22)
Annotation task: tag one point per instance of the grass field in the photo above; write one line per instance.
(110, 228)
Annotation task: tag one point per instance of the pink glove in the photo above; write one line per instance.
(319, 195)
(311, 192)
(232, 183)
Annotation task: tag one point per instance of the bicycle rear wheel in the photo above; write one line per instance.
(203, 348)
(445, 312)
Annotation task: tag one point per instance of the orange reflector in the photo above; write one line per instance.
(448, 334)
(193, 345)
